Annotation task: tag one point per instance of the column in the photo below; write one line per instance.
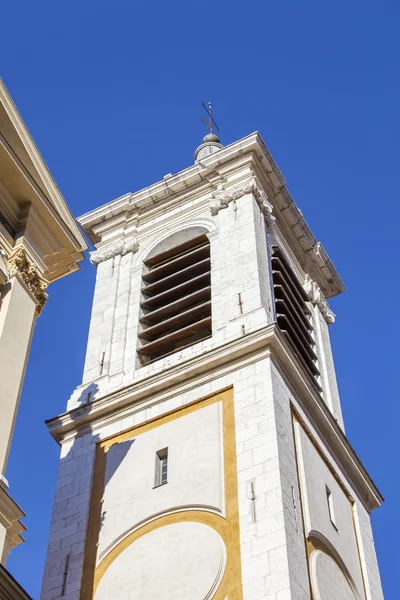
(17, 318)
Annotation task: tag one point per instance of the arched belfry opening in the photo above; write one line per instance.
(175, 311)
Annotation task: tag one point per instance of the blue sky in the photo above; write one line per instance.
(111, 93)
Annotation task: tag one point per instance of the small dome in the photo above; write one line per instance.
(211, 137)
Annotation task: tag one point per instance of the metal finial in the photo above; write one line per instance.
(209, 124)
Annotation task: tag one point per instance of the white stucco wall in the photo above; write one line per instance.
(181, 561)
(328, 581)
(195, 474)
(273, 554)
(315, 477)
(264, 542)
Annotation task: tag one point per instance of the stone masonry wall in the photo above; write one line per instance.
(239, 265)
(264, 542)
(283, 398)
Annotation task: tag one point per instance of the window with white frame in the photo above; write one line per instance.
(161, 470)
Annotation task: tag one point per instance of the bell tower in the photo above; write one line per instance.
(204, 455)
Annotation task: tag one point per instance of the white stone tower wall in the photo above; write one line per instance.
(273, 553)
(327, 367)
(238, 250)
(289, 439)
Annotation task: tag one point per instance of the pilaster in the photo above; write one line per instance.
(17, 319)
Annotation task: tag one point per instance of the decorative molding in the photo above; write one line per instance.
(247, 153)
(222, 197)
(18, 264)
(10, 588)
(185, 508)
(315, 296)
(122, 246)
(222, 360)
(4, 274)
(10, 518)
(227, 526)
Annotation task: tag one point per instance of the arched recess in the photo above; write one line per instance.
(131, 531)
(175, 307)
(176, 239)
(317, 542)
(224, 523)
(203, 224)
(224, 581)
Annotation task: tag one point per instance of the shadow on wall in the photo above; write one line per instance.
(88, 394)
(69, 523)
(115, 456)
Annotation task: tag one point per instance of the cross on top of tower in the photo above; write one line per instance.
(211, 137)
(209, 111)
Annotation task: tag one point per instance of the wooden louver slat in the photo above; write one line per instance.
(293, 314)
(168, 295)
(176, 305)
(161, 270)
(178, 277)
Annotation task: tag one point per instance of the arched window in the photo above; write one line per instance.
(175, 311)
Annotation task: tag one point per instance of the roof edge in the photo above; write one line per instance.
(48, 181)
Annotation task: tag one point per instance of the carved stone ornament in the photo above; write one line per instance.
(18, 264)
(222, 197)
(315, 295)
(122, 246)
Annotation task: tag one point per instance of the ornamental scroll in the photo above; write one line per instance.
(315, 295)
(18, 264)
(122, 247)
(222, 197)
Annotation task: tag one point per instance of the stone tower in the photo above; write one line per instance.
(204, 454)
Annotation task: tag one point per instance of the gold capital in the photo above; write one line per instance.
(18, 264)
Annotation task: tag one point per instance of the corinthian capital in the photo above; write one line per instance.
(18, 264)
(222, 197)
(316, 296)
(122, 246)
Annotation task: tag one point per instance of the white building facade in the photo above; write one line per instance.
(40, 242)
(204, 454)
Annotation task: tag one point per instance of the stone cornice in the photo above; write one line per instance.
(315, 296)
(43, 213)
(228, 357)
(10, 515)
(10, 588)
(120, 247)
(249, 152)
(26, 142)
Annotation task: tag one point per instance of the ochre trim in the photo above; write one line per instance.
(297, 418)
(165, 417)
(94, 524)
(227, 527)
(313, 543)
(297, 460)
